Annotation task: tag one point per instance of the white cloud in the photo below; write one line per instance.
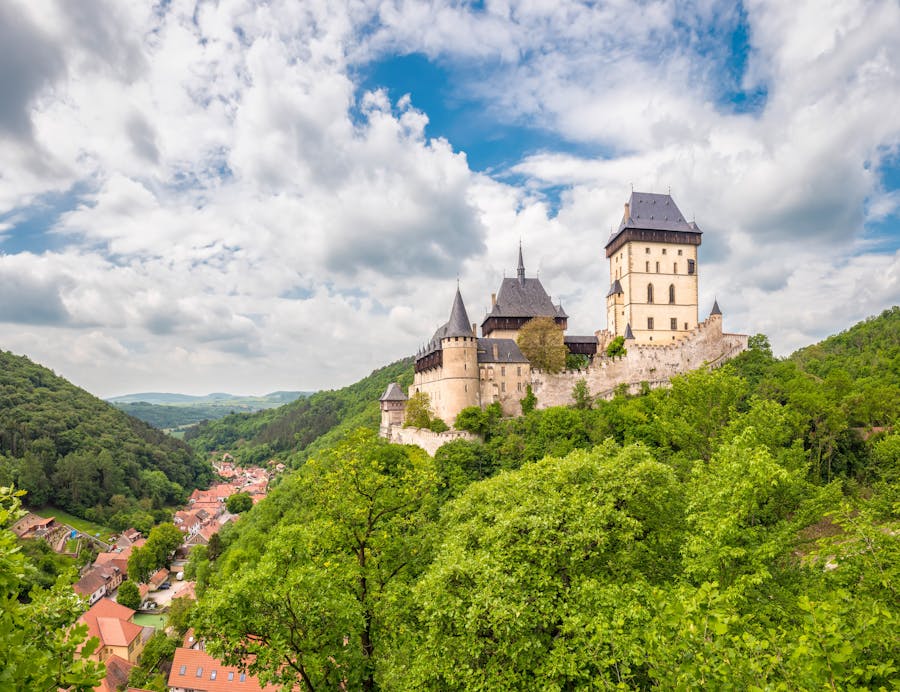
(253, 222)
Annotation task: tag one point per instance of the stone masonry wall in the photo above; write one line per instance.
(426, 439)
(705, 345)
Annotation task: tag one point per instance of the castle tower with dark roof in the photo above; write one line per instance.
(653, 271)
(447, 368)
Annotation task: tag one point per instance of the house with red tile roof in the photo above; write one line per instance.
(194, 670)
(111, 623)
(98, 581)
(117, 672)
(160, 576)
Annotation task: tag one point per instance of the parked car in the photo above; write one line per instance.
(165, 585)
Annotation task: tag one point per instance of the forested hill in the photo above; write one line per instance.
(305, 425)
(737, 530)
(68, 448)
(867, 351)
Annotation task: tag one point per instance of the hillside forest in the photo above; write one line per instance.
(69, 449)
(738, 530)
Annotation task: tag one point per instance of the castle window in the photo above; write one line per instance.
(465, 388)
(664, 251)
(647, 267)
(671, 293)
(519, 386)
(675, 267)
(657, 267)
(648, 250)
(503, 386)
(679, 253)
(502, 371)
(685, 325)
(673, 324)
(649, 293)
(519, 370)
(649, 323)
(691, 266)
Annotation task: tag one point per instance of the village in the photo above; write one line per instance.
(123, 632)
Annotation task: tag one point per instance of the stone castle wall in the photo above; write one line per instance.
(426, 439)
(656, 365)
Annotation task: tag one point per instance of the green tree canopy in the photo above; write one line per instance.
(38, 645)
(239, 502)
(541, 341)
(128, 595)
(316, 607)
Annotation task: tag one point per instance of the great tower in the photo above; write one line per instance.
(653, 272)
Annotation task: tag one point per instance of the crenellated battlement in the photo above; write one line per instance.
(656, 364)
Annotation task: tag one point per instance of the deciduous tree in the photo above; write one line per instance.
(541, 341)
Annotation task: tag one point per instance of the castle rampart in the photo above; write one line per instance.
(656, 365)
(428, 440)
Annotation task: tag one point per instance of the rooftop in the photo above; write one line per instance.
(194, 669)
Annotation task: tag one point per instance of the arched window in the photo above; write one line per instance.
(649, 293)
(671, 293)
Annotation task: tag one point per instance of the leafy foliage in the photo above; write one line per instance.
(316, 606)
(38, 645)
(66, 447)
(128, 595)
(616, 347)
(737, 530)
(541, 341)
(239, 502)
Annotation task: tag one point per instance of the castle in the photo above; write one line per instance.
(652, 304)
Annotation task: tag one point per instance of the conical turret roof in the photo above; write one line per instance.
(458, 324)
(628, 333)
(715, 308)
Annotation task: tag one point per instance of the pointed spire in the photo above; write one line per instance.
(628, 333)
(520, 271)
(715, 309)
(458, 324)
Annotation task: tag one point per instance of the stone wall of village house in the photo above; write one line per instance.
(504, 383)
(426, 439)
(706, 344)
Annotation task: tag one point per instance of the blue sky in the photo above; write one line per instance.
(259, 196)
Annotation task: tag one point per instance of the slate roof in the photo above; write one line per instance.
(575, 339)
(508, 351)
(524, 298)
(715, 308)
(615, 289)
(628, 333)
(521, 297)
(458, 324)
(655, 212)
(393, 393)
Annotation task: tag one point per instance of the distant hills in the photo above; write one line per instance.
(299, 428)
(169, 411)
(220, 398)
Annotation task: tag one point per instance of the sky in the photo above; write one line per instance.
(254, 196)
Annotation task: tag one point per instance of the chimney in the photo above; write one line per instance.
(627, 212)
(493, 300)
(496, 353)
(474, 329)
